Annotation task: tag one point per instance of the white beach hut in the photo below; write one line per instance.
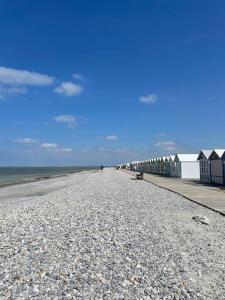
(204, 165)
(187, 166)
(154, 164)
(157, 169)
(151, 164)
(168, 165)
(148, 168)
(217, 166)
(172, 166)
(162, 165)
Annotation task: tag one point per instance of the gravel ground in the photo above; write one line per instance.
(103, 235)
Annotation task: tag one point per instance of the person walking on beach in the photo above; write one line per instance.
(102, 167)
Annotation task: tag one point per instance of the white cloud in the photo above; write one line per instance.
(170, 148)
(165, 144)
(118, 150)
(149, 99)
(11, 91)
(70, 120)
(112, 137)
(53, 147)
(100, 149)
(65, 150)
(69, 89)
(26, 141)
(78, 77)
(11, 76)
(49, 146)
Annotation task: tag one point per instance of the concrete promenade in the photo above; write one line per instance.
(209, 196)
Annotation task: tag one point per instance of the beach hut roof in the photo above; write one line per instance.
(204, 154)
(186, 157)
(217, 153)
(171, 157)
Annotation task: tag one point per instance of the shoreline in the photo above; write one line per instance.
(35, 179)
(42, 178)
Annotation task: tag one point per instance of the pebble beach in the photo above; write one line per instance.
(104, 235)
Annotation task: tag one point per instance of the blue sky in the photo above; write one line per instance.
(90, 82)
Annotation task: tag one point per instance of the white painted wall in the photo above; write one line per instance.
(190, 170)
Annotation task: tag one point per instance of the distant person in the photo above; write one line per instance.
(102, 167)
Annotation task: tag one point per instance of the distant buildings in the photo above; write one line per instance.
(208, 166)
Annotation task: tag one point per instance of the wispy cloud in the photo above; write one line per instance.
(70, 120)
(166, 145)
(11, 76)
(15, 81)
(27, 141)
(121, 150)
(11, 90)
(112, 137)
(34, 145)
(78, 76)
(53, 147)
(69, 89)
(101, 149)
(149, 99)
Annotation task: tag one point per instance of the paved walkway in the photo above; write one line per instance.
(212, 197)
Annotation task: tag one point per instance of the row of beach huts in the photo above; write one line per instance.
(208, 166)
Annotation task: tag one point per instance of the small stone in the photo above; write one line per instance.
(101, 278)
(135, 279)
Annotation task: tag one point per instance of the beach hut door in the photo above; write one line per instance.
(223, 172)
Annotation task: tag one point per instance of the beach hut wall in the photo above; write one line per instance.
(187, 166)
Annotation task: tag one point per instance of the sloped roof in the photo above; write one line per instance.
(217, 153)
(186, 157)
(204, 154)
(171, 157)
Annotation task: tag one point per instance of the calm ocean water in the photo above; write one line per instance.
(13, 175)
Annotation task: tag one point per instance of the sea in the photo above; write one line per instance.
(16, 175)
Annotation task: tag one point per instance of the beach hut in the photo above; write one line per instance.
(168, 165)
(148, 166)
(160, 165)
(154, 165)
(204, 165)
(187, 166)
(217, 166)
(157, 167)
(145, 166)
(163, 165)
